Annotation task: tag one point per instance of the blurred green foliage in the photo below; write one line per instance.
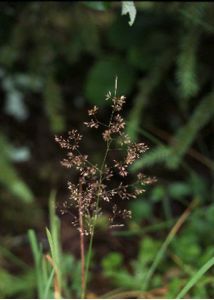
(188, 252)
(58, 58)
(9, 176)
(59, 267)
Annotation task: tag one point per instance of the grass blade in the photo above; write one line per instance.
(48, 286)
(54, 243)
(55, 234)
(195, 278)
(37, 254)
(166, 243)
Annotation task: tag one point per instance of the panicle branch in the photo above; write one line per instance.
(96, 185)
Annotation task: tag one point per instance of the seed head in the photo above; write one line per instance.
(96, 183)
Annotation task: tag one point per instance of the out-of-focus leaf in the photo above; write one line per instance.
(145, 5)
(8, 55)
(195, 278)
(70, 266)
(128, 7)
(37, 255)
(28, 82)
(187, 247)
(121, 36)
(101, 79)
(11, 285)
(54, 105)
(158, 193)
(140, 210)
(83, 39)
(148, 249)
(98, 5)
(15, 105)
(179, 189)
(112, 268)
(146, 56)
(173, 287)
(172, 155)
(147, 86)
(195, 14)
(19, 154)
(8, 175)
(199, 186)
(187, 64)
(14, 86)
(112, 260)
(186, 134)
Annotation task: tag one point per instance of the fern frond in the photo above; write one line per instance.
(187, 64)
(157, 155)
(195, 14)
(147, 86)
(187, 134)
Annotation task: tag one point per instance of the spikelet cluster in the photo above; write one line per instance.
(96, 183)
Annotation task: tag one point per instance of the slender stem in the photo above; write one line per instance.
(94, 222)
(98, 198)
(82, 246)
(102, 124)
(104, 158)
(88, 260)
(82, 265)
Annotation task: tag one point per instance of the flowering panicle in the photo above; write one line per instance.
(118, 102)
(97, 183)
(93, 111)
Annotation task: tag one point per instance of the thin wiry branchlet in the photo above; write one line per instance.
(96, 185)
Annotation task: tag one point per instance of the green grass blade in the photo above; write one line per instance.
(37, 254)
(55, 234)
(45, 271)
(54, 241)
(51, 243)
(166, 243)
(48, 286)
(195, 278)
(156, 261)
(13, 258)
(54, 222)
(147, 229)
(44, 274)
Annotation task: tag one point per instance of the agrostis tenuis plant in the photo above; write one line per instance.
(96, 182)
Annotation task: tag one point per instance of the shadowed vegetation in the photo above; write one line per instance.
(59, 59)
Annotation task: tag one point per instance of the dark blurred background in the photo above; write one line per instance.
(57, 59)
